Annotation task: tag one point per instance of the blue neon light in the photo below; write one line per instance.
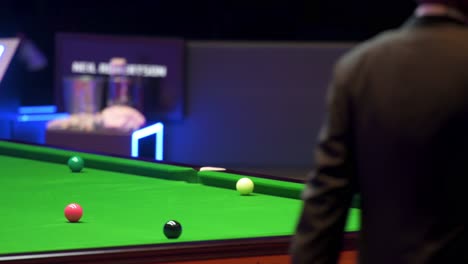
(2, 49)
(41, 117)
(42, 109)
(156, 129)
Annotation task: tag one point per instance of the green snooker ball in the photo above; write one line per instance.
(75, 163)
(245, 186)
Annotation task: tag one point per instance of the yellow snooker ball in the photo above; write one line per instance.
(245, 186)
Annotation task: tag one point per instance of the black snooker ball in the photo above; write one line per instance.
(172, 229)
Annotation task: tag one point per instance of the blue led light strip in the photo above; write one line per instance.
(2, 49)
(41, 117)
(42, 109)
(157, 130)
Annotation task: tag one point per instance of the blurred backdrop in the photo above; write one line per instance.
(302, 24)
(296, 20)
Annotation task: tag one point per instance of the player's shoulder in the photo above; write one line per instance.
(361, 56)
(370, 48)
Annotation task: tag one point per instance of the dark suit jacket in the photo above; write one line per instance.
(397, 132)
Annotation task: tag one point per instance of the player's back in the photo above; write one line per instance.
(409, 103)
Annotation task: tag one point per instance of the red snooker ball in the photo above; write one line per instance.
(73, 212)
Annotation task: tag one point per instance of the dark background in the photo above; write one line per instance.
(293, 20)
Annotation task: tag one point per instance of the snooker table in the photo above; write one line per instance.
(126, 203)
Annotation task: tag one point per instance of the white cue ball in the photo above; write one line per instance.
(245, 186)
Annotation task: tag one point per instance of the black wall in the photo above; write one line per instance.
(241, 20)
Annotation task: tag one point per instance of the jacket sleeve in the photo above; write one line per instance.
(330, 187)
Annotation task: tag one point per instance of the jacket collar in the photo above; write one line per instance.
(422, 21)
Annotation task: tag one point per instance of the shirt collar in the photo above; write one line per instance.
(432, 20)
(439, 10)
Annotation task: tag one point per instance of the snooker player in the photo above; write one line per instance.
(397, 133)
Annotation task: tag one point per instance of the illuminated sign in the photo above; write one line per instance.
(8, 48)
(103, 68)
(154, 68)
(157, 130)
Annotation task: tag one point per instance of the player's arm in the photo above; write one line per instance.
(329, 188)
